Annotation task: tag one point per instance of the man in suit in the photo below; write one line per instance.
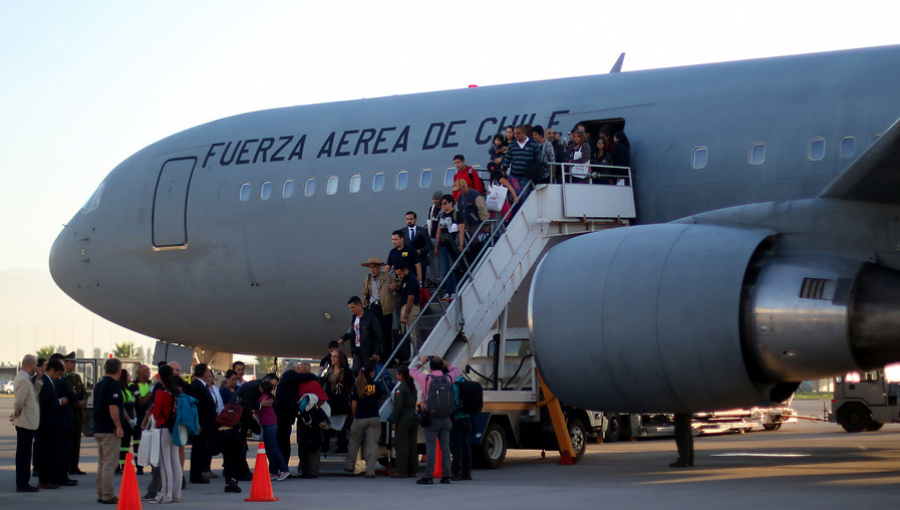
(417, 237)
(201, 444)
(365, 333)
(378, 298)
(49, 427)
(26, 417)
(67, 426)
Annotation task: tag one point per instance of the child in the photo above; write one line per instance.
(278, 469)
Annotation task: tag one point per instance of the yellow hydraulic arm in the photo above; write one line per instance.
(566, 452)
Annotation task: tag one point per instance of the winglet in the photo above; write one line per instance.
(617, 67)
(875, 176)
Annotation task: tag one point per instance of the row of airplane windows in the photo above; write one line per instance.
(401, 181)
(757, 155)
(699, 160)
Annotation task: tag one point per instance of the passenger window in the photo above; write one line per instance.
(265, 192)
(699, 158)
(848, 146)
(378, 182)
(310, 187)
(448, 176)
(817, 148)
(402, 177)
(425, 178)
(355, 181)
(287, 191)
(875, 137)
(757, 153)
(332, 185)
(245, 192)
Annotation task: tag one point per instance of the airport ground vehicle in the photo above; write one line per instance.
(91, 371)
(864, 401)
(7, 388)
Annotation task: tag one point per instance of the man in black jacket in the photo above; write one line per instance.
(365, 333)
(286, 405)
(202, 443)
(67, 426)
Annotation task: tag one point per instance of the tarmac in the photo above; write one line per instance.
(802, 465)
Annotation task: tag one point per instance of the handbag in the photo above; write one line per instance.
(230, 415)
(496, 197)
(579, 171)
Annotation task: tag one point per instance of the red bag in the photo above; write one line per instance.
(424, 296)
(230, 415)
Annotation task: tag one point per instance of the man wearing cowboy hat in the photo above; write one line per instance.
(378, 298)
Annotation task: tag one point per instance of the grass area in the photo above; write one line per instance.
(813, 396)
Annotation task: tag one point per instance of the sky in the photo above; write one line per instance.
(83, 85)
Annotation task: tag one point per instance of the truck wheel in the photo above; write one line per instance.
(771, 426)
(875, 426)
(613, 427)
(855, 418)
(493, 446)
(578, 436)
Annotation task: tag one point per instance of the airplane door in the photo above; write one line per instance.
(170, 203)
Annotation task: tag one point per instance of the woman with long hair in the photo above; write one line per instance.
(164, 413)
(579, 155)
(404, 425)
(337, 383)
(364, 397)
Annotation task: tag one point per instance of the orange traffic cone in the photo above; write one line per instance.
(262, 484)
(438, 456)
(129, 496)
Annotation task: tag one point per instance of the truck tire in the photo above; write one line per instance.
(493, 446)
(613, 427)
(875, 426)
(855, 417)
(578, 436)
(771, 426)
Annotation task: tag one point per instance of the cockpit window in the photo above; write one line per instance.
(94, 201)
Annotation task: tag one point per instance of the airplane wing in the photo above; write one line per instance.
(875, 176)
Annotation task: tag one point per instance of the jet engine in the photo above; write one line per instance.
(692, 317)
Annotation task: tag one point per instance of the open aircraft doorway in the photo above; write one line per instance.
(170, 204)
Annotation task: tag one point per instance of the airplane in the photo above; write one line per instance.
(245, 234)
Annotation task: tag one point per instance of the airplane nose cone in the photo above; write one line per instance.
(68, 260)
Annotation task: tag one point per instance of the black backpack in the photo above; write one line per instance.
(439, 400)
(471, 397)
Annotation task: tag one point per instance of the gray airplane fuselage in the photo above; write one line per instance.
(207, 269)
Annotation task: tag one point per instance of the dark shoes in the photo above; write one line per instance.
(232, 486)
(466, 477)
(445, 480)
(48, 486)
(77, 472)
(27, 488)
(69, 483)
(140, 470)
(112, 501)
(681, 464)
(425, 481)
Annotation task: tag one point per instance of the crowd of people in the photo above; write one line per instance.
(578, 155)
(147, 414)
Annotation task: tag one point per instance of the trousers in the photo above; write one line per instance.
(108, 459)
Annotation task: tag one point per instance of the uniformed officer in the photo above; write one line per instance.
(140, 389)
(74, 380)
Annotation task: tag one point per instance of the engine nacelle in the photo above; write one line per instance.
(688, 317)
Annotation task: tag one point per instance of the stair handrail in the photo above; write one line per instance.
(405, 338)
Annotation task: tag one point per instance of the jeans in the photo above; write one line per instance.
(24, 442)
(273, 453)
(438, 431)
(446, 262)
